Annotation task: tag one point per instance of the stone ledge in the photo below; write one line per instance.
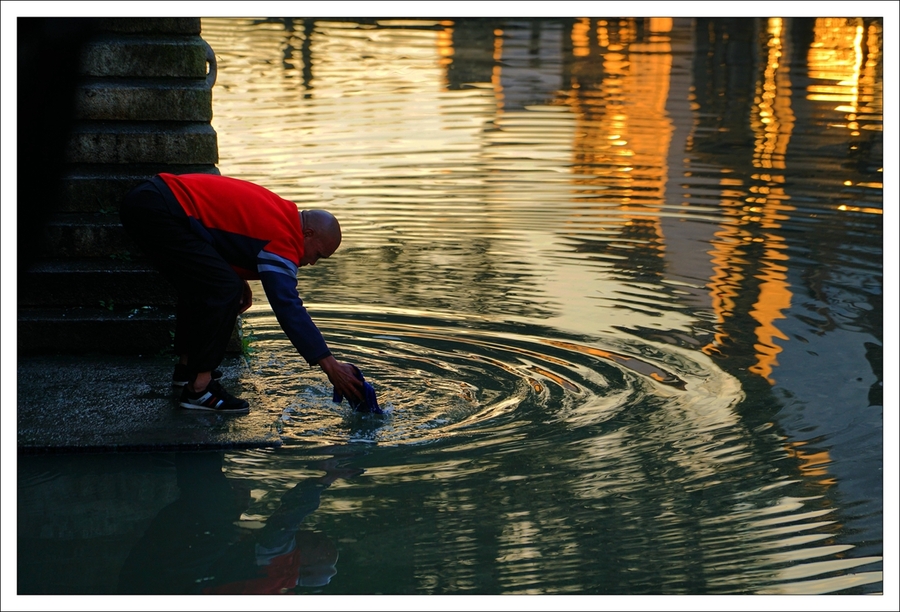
(96, 329)
(98, 403)
(122, 142)
(74, 282)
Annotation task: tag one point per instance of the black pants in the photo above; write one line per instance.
(209, 290)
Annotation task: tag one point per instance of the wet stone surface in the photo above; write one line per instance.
(101, 403)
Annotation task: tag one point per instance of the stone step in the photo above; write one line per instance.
(111, 284)
(141, 100)
(146, 56)
(150, 142)
(101, 187)
(82, 235)
(94, 330)
(99, 330)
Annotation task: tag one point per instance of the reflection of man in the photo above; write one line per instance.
(306, 559)
(280, 558)
(195, 546)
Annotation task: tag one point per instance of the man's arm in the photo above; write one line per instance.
(281, 290)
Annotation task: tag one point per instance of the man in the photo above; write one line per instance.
(208, 234)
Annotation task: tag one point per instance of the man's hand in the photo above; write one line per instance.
(343, 377)
(246, 298)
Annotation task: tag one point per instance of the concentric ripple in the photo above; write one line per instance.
(439, 375)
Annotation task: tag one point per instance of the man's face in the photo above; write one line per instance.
(316, 248)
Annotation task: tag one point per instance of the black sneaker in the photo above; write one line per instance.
(180, 375)
(213, 399)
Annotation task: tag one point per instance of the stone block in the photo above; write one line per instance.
(113, 284)
(144, 101)
(101, 188)
(145, 57)
(149, 25)
(143, 143)
(87, 236)
(98, 330)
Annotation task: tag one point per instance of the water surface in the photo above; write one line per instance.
(618, 284)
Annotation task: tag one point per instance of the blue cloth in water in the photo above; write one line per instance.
(370, 401)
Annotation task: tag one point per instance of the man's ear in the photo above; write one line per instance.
(308, 232)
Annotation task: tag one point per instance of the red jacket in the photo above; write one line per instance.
(260, 235)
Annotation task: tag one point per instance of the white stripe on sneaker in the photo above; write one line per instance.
(205, 400)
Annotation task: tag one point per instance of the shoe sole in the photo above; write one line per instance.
(189, 406)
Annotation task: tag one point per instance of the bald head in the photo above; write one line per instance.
(321, 235)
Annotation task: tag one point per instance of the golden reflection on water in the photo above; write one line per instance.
(365, 119)
(762, 211)
(846, 55)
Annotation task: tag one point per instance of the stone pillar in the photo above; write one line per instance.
(142, 105)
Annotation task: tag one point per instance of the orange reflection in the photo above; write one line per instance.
(581, 37)
(559, 380)
(660, 24)
(813, 464)
(618, 91)
(496, 72)
(760, 215)
(844, 62)
(726, 281)
(774, 298)
(772, 126)
(845, 57)
(444, 44)
(863, 209)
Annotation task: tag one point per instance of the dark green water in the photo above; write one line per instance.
(618, 282)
